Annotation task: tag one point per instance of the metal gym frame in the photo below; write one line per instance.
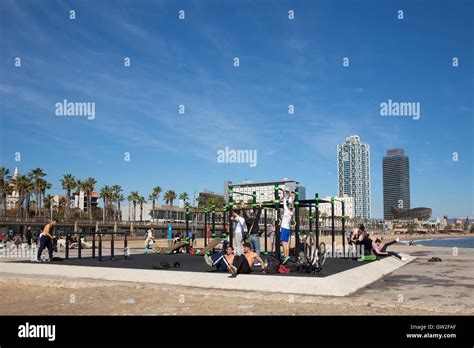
(98, 232)
(307, 203)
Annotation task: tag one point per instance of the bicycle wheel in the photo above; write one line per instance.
(310, 248)
(322, 254)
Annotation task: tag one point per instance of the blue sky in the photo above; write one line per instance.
(282, 62)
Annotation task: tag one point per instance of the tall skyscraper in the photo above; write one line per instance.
(353, 171)
(396, 182)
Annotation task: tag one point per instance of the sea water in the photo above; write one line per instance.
(463, 242)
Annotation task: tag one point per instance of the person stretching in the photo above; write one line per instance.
(46, 240)
(285, 233)
(220, 260)
(242, 263)
(382, 250)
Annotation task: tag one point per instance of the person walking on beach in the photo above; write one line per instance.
(46, 240)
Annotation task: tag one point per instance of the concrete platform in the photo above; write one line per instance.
(338, 284)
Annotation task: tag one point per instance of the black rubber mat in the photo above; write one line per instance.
(195, 263)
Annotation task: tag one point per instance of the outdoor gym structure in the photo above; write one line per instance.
(307, 242)
(310, 244)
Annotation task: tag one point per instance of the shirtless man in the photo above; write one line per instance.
(220, 260)
(46, 240)
(243, 263)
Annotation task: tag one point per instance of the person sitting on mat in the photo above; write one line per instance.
(285, 232)
(353, 236)
(242, 263)
(382, 250)
(364, 240)
(220, 260)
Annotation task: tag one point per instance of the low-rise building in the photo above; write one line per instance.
(264, 189)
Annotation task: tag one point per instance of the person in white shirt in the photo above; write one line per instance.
(238, 224)
(149, 241)
(285, 232)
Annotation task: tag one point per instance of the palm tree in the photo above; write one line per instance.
(80, 186)
(116, 194)
(36, 176)
(216, 202)
(43, 186)
(62, 206)
(184, 197)
(201, 201)
(170, 196)
(134, 195)
(119, 198)
(7, 190)
(3, 191)
(89, 186)
(106, 195)
(141, 200)
(68, 183)
(154, 195)
(48, 202)
(129, 199)
(23, 185)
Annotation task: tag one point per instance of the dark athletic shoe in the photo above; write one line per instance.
(285, 259)
(234, 275)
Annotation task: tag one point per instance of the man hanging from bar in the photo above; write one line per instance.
(285, 232)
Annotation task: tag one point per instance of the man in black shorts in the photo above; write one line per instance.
(243, 263)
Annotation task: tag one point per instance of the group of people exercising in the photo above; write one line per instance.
(359, 237)
(246, 239)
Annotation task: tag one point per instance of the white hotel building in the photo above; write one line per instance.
(353, 171)
(264, 189)
(349, 208)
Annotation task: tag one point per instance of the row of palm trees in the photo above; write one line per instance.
(34, 184)
(31, 184)
(135, 199)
